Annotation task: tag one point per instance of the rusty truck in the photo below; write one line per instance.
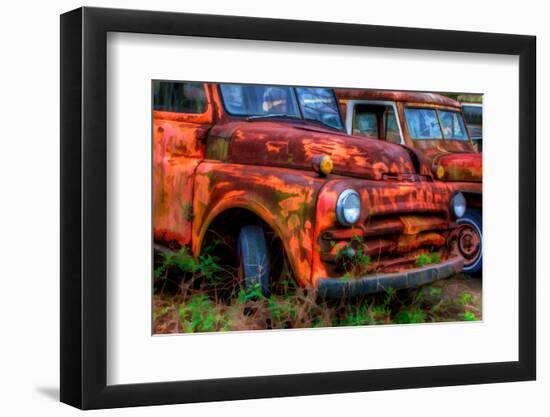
(267, 166)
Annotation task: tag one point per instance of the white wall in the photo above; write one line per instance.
(29, 225)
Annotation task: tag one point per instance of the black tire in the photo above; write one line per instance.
(254, 258)
(473, 262)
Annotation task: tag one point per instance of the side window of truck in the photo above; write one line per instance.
(179, 97)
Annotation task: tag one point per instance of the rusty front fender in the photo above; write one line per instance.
(284, 199)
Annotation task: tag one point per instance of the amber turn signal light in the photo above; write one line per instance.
(322, 164)
(440, 172)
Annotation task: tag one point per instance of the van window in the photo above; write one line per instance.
(392, 129)
(179, 97)
(366, 124)
(376, 121)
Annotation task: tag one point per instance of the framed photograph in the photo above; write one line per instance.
(256, 208)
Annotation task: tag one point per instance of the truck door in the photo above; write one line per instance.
(182, 116)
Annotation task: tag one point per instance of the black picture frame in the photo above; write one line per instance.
(84, 207)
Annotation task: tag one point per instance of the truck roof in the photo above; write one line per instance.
(389, 95)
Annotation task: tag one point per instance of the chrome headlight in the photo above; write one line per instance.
(458, 205)
(348, 207)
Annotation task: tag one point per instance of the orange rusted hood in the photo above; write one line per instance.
(460, 166)
(294, 144)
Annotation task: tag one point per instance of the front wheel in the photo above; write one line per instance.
(470, 241)
(253, 258)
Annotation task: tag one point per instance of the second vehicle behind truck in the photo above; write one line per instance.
(433, 125)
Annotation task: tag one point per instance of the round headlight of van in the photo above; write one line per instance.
(348, 207)
(458, 205)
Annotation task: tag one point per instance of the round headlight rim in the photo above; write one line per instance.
(340, 205)
(458, 194)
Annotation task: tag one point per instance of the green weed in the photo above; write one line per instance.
(250, 293)
(198, 307)
(427, 258)
(410, 315)
(435, 291)
(469, 316)
(182, 262)
(357, 316)
(466, 298)
(200, 315)
(353, 257)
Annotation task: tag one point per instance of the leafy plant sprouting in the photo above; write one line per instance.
(466, 298)
(469, 316)
(180, 260)
(410, 315)
(250, 293)
(427, 258)
(381, 314)
(357, 315)
(205, 266)
(353, 257)
(200, 314)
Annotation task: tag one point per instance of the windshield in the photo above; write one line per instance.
(435, 124)
(453, 125)
(319, 104)
(256, 101)
(423, 123)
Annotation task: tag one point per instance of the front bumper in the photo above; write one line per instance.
(338, 287)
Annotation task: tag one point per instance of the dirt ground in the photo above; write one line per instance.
(462, 292)
(457, 285)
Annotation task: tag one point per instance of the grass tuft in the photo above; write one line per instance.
(427, 258)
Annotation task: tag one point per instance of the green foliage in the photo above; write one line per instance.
(435, 291)
(182, 262)
(466, 298)
(469, 316)
(357, 316)
(282, 312)
(200, 305)
(353, 257)
(250, 293)
(410, 315)
(390, 295)
(200, 315)
(381, 314)
(427, 258)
